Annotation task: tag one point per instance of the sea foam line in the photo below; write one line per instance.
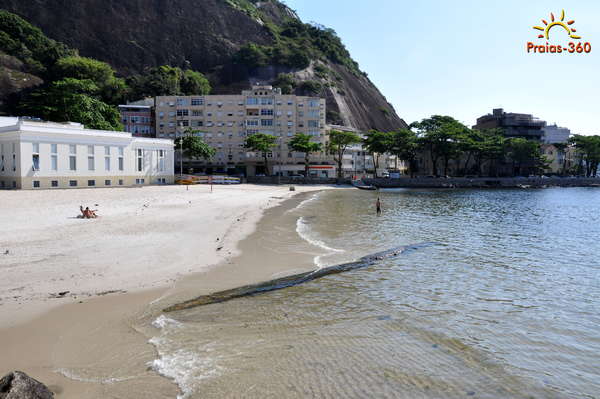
(303, 203)
(304, 231)
(182, 366)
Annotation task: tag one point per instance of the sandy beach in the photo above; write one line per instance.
(95, 275)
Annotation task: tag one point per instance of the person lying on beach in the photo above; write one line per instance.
(88, 213)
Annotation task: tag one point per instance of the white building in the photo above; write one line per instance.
(43, 155)
(554, 134)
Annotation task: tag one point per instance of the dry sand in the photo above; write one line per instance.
(143, 242)
(145, 238)
(111, 268)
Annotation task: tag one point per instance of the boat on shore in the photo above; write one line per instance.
(362, 186)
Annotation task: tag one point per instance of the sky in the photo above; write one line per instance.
(463, 58)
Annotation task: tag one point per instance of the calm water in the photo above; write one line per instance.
(505, 304)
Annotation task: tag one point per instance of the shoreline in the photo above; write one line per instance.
(33, 329)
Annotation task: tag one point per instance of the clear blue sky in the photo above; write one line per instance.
(463, 58)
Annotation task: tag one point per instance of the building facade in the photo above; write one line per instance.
(46, 155)
(138, 120)
(556, 135)
(514, 125)
(224, 122)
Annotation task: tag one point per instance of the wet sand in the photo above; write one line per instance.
(98, 347)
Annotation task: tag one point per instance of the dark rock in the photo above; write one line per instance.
(204, 34)
(18, 385)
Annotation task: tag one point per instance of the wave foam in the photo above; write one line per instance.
(163, 321)
(184, 367)
(305, 232)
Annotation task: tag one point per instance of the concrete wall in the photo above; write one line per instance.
(484, 182)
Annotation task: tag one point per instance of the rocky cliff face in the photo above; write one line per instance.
(206, 35)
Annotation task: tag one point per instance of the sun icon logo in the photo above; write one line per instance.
(553, 23)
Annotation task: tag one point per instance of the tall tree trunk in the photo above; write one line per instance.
(433, 161)
(267, 165)
(466, 162)
(306, 163)
(446, 160)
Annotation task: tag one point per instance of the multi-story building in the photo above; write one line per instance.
(224, 122)
(38, 155)
(554, 134)
(514, 125)
(138, 118)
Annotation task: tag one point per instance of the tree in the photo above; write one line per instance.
(72, 100)
(405, 145)
(252, 56)
(337, 145)
(166, 80)
(261, 142)
(112, 90)
(523, 152)
(194, 83)
(302, 143)
(588, 149)
(377, 143)
(440, 136)
(193, 146)
(562, 148)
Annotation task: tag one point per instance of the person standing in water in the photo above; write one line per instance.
(378, 206)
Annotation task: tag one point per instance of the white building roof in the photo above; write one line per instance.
(15, 124)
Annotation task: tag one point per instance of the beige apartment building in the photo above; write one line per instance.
(224, 122)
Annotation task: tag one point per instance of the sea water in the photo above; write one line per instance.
(505, 304)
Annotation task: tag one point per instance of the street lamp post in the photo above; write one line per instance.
(279, 161)
(180, 151)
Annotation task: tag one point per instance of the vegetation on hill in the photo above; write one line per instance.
(295, 44)
(81, 89)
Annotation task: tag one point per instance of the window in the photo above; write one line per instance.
(313, 123)
(139, 181)
(196, 112)
(140, 160)
(54, 156)
(107, 157)
(73, 183)
(197, 101)
(161, 180)
(313, 103)
(91, 183)
(181, 102)
(107, 182)
(35, 157)
(183, 112)
(72, 162)
(266, 122)
(266, 101)
(36, 184)
(121, 163)
(252, 101)
(266, 112)
(91, 160)
(120, 182)
(161, 160)
(54, 183)
(252, 122)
